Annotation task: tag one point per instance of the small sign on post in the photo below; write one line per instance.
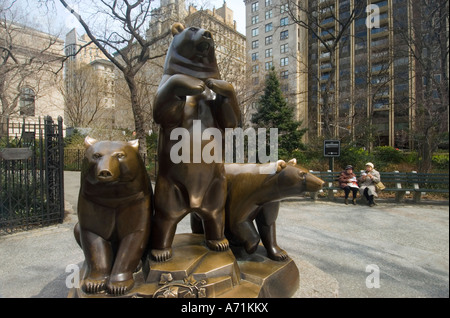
(331, 148)
(16, 153)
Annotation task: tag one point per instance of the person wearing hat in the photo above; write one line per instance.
(367, 183)
(347, 181)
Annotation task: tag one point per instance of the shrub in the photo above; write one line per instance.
(441, 161)
(386, 156)
(350, 155)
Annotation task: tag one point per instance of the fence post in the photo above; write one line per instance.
(61, 166)
(54, 168)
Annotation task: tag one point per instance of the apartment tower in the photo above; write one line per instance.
(349, 69)
(274, 41)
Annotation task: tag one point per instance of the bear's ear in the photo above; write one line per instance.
(134, 144)
(177, 28)
(281, 164)
(88, 141)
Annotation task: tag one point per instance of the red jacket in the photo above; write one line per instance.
(345, 178)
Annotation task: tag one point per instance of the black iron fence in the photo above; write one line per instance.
(73, 159)
(31, 174)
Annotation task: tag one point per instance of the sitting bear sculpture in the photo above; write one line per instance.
(114, 209)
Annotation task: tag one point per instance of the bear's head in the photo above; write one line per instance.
(192, 53)
(111, 161)
(294, 179)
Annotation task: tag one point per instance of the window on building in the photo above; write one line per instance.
(326, 32)
(382, 3)
(268, 52)
(269, 27)
(255, 6)
(380, 104)
(284, 61)
(284, 74)
(379, 67)
(284, 35)
(255, 19)
(27, 101)
(401, 61)
(325, 76)
(325, 66)
(380, 42)
(255, 32)
(401, 88)
(360, 22)
(255, 56)
(284, 21)
(360, 80)
(268, 65)
(255, 44)
(284, 8)
(268, 3)
(284, 48)
(269, 14)
(268, 40)
(255, 69)
(325, 55)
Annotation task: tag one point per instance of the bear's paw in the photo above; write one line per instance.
(218, 245)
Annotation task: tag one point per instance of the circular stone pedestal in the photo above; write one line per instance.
(196, 271)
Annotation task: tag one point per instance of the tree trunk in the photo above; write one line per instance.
(138, 114)
(425, 155)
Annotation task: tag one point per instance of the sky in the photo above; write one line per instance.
(59, 21)
(237, 6)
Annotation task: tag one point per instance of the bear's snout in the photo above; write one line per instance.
(104, 174)
(313, 183)
(107, 170)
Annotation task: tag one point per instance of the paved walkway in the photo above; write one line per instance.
(400, 250)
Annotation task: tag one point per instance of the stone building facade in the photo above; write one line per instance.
(29, 77)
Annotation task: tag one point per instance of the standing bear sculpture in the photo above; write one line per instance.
(114, 211)
(191, 96)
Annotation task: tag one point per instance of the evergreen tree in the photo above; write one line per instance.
(274, 112)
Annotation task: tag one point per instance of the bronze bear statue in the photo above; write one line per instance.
(114, 211)
(254, 195)
(191, 93)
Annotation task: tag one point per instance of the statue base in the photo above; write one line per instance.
(196, 271)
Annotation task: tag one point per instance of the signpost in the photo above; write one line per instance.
(331, 149)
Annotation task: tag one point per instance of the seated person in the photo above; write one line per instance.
(347, 181)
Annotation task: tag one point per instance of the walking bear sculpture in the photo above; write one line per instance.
(254, 194)
(191, 96)
(114, 210)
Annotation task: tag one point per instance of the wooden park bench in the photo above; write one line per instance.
(399, 182)
(413, 182)
(330, 186)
